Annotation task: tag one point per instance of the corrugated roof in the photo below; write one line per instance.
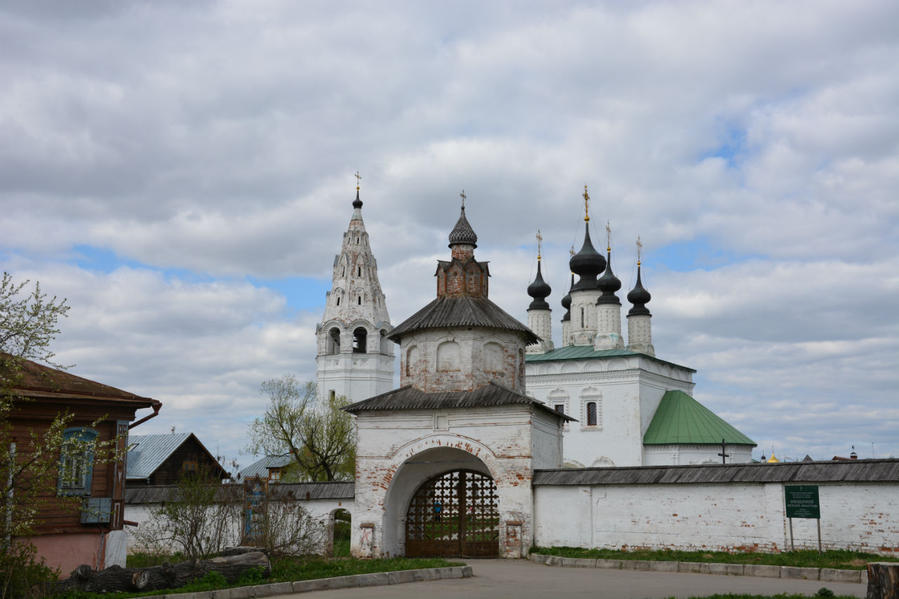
(36, 380)
(586, 352)
(410, 398)
(148, 452)
(790, 472)
(680, 419)
(462, 311)
(260, 467)
(160, 493)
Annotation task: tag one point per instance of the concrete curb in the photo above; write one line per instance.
(823, 574)
(322, 584)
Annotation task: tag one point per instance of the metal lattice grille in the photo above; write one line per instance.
(454, 514)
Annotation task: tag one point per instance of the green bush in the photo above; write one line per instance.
(23, 575)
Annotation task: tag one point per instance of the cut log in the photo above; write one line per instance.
(166, 576)
(883, 580)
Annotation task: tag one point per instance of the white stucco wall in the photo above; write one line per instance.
(715, 517)
(320, 509)
(398, 451)
(664, 455)
(628, 390)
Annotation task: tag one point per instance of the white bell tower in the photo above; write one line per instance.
(355, 358)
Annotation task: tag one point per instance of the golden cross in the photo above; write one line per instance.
(463, 196)
(586, 204)
(571, 251)
(358, 179)
(539, 244)
(639, 249)
(608, 236)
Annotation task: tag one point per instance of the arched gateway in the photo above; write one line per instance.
(444, 463)
(454, 514)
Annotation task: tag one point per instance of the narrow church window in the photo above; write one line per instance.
(359, 300)
(582, 318)
(338, 300)
(358, 271)
(591, 413)
(332, 395)
(360, 336)
(334, 341)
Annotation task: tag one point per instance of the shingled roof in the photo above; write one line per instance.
(790, 472)
(30, 379)
(462, 311)
(410, 398)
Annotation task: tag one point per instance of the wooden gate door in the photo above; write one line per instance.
(454, 514)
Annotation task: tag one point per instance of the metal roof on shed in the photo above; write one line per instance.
(148, 452)
(260, 467)
(853, 471)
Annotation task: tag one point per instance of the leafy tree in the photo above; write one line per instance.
(29, 461)
(319, 435)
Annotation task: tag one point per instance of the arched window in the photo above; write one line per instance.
(358, 271)
(591, 413)
(493, 357)
(412, 356)
(359, 300)
(448, 356)
(334, 341)
(360, 337)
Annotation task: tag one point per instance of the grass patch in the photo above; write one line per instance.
(823, 592)
(283, 570)
(848, 560)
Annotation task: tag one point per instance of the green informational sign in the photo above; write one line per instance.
(802, 501)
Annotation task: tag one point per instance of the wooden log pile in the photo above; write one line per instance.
(166, 576)
(883, 580)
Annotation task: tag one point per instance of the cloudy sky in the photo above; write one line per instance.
(182, 173)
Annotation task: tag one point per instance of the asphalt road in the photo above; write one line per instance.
(522, 579)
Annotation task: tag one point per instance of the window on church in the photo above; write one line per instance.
(358, 271)
(412, 356)
(448, 356)
(360, 337)
(334, 341)
(332, 394)
(582, 318)
(338, 300)
(560, 408)
(591, 413)
(359, 300)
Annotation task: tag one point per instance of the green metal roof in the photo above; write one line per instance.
(680, 419)
(582, 352)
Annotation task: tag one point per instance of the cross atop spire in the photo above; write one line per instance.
(586, 204)
(608, 236)
(358, 179)
(639, 250)
(463, 196)
(539, 244)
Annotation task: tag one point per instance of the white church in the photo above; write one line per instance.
(629, 407)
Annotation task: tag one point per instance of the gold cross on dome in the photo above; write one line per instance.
(358, 179)
(463, 196)
(608, 236)
(539, 244)
(586, 204)
(639, 249)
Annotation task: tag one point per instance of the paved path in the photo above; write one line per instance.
(522, 579)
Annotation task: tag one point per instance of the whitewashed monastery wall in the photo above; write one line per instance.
(735, 516)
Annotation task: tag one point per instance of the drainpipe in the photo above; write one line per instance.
(156, 405)
(7, 540)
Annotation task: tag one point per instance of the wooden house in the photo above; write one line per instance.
(167, 458)
(80, 518)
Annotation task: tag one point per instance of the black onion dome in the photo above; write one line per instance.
(462, 233)
(639, 297)
(587, 263)
(566, 301)
(357, 203)
(609, 284)
(539, 290)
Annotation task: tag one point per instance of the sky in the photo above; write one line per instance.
(182, 173)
